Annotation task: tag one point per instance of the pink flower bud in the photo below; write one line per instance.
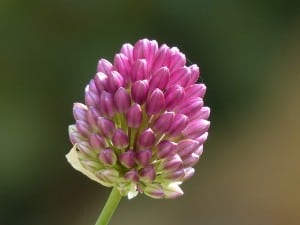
(147, 174)
(140, 49)
(156, 102)
(127, 50)
(91, 87)
(173, 96)
(134, 116)
(92, 116)
(91, 99)
(146, 138)
(163, 122)
(172, 191)
(172, 163)
(106, 126)
(189, 172)
(139, 70)
(79, 111)
(191, 160)
(160, 79)
(145, 49)
(107, 104)
(83, 127)
(180, 123)
(122, 65)
(154, 191)
(108, 157)
(199, 150)
(143, 157)
(196, 128)
(97, 141)
(132, 175)
(104, 66)
(195, 73)
(161, 58)
(181, 76)
(75, 138)
(166, 149)
(195, 90)
(120, 139)
(203, 113)
(190, 107)
(201, 139)
(101, 81)
(139, 91)
(114, 81)
(122, 100)
(74, 135)
(186, 147)
(127, 159)
(177, 59)
(176, 175)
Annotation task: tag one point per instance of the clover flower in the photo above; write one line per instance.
(143, 124)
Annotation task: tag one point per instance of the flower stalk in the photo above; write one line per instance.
(109, 207)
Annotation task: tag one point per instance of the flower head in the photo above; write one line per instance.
(143, 124)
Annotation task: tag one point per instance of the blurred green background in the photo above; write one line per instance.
(249, 54)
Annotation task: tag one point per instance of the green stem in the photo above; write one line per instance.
(109, 207)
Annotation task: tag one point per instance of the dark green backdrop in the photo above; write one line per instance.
(248, 52)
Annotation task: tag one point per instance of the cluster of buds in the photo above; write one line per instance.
(143, 124)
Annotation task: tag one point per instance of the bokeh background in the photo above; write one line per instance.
(249, 54)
